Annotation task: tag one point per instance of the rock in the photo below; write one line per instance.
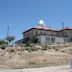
(37, 46)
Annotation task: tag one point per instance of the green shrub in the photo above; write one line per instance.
(3, 42)
(3, 46)
(34, 40)
(26, 40)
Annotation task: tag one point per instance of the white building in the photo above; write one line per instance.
(46, 39)
(46, 35)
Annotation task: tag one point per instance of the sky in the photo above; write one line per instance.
(21, 15)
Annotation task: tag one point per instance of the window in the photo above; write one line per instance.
(32, 32)
(41, 33)
(44, 32)
(36, 32)
(52, 33)
(53, 40)
(47, 39)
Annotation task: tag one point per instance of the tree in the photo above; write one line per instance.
(34, 40)
(10, 39)
(3, 42)
(26, 40)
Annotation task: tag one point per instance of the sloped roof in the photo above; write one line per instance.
(66, 28)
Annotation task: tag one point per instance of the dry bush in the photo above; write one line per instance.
(3, 46)
(48, 47)
(11, 49)
(21, 49)
(31, 45)
(39, 59)
(35, 49)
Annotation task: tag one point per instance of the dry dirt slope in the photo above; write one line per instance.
(25, 59)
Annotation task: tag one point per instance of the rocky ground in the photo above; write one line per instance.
(19, 58)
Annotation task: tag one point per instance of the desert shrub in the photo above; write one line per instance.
(31, 45)
(49, 47)
(27, 44)
(62, 51)
(21, 49)
(11, 50)
(28, 49)
(66, 45)
(56, 49)
(53, 47)
(44, 48)
(32, 62)
(70, 51)
(35, 49)
(3, 46)
(22, 45)
(3, 42)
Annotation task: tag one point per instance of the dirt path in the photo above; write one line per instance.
(44, 69)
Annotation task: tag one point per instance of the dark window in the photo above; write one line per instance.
(52, 34)
(32, 32)
(47, 39)
(44, 32)
(41, 32)
(36, 32)
(53, 40)
(27, 34)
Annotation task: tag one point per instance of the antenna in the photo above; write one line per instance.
(63, 32)
(49, 27)
(8, 31)
(62, 25)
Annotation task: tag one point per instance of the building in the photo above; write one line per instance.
(19, 41)
(47, 35)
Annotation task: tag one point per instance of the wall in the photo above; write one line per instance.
(43, 39)
(59, 39)
(32, 33)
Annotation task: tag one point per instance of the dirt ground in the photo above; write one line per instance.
(43, 69)
(35, 59)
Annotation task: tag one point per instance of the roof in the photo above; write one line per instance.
(43, 28)
(19, 41)
(66, 29)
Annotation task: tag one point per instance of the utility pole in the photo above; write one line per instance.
(63, 25)
(7, 34)
(8, 31)
(63, 31)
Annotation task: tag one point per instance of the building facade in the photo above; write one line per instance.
(47, 35)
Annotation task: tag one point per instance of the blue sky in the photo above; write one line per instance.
(24, 14)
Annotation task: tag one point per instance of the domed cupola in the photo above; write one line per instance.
(41, 23)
